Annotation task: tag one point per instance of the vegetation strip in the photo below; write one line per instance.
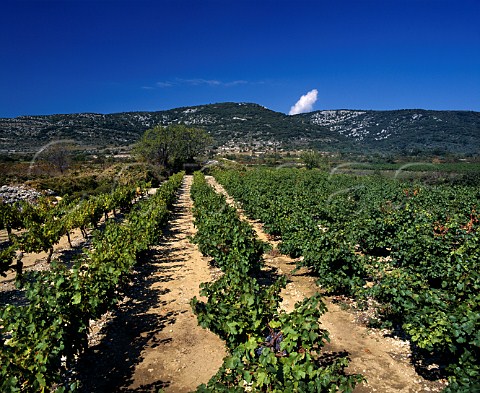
(270, 350)
(40, 341)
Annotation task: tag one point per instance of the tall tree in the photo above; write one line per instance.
(172, 146)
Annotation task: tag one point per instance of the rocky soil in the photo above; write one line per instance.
(11, 194)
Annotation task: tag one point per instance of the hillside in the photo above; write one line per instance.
(405, 131)
(253, 127)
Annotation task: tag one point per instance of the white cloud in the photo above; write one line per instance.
(164, 84)
(199, 82)
(236, 83)
(210, 82)
(305, 103)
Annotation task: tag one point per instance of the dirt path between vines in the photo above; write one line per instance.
(152, 340)
(384, 361)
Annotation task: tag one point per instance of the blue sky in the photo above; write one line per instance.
(113, 56)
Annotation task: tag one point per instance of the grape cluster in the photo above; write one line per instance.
(272, 341)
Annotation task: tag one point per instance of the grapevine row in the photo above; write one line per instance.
(41, 340)
(44, 225)
(413, 248)
(270, 350)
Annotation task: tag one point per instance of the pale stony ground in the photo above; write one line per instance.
(152, 340)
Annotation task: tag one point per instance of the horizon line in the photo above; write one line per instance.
(235, 102)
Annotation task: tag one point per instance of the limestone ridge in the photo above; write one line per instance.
(252, 127)
(405, 131)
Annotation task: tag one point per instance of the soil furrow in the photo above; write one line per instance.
(153, 340)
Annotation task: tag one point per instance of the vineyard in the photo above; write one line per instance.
(269, 350)
(409, 249)
(41, 341)
(412, 248)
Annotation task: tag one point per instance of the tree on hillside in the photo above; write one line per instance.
(314, 159)
(172, 146)
(54, 157)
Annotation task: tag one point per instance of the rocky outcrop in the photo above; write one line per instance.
(12, 194)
